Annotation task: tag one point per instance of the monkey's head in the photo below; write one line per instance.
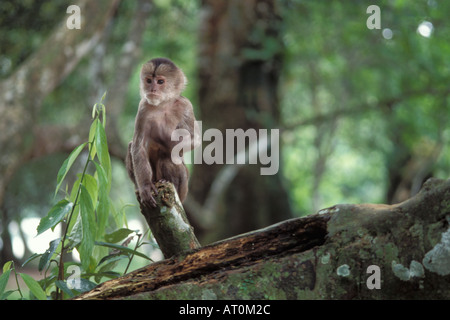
(161, 80)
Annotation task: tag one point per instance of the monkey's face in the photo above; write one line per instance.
(155, 89)
(161, 81)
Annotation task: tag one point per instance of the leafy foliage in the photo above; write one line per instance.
(358, 105)
(85, 212)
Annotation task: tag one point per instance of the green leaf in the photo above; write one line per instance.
(107, 274)
(86, 285)
(94, 112)
(112, 258)
(120, 217)
(54, 216)
(103, 211)
(34, 286)
(88, 225)
(67, 165)
(103, 198)
(63, 286)
(6, 294)
(103, 97)
(102, 151)
(75, 190)
(118, 235)
(76, 286)
(103, 115)
(109, 262)
(31, 258)
(74, 219)
(122, 249)
(83, 285)
(91, 186)
(43, 262)
(4, 281)
(7, 266)
(76, 233)
(92, 133)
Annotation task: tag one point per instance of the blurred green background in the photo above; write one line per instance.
(363, 113)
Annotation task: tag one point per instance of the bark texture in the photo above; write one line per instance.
(329, 255)
(168, 222)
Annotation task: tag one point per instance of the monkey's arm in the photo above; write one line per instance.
(143, 173)
(189, 123)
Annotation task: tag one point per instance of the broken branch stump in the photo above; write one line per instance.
(168, 222)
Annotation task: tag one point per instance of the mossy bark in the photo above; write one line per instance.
(364, 251)
(168, 222)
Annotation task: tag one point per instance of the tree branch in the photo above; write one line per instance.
(168, 222)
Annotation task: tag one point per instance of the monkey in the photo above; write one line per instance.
(162, 110)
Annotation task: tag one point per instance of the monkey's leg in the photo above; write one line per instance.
(176, 174)
(181, 183)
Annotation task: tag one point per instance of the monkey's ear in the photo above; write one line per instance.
(185, 81)
(181, 81)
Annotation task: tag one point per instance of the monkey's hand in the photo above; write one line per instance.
(146, 195)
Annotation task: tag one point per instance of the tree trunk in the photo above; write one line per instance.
(366, 251)
(239, 68)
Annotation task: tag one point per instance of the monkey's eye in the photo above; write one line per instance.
(160, 81)
(149, 80)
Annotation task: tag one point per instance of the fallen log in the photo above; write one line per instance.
(366, 251)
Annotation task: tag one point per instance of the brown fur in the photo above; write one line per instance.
(162, 110)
